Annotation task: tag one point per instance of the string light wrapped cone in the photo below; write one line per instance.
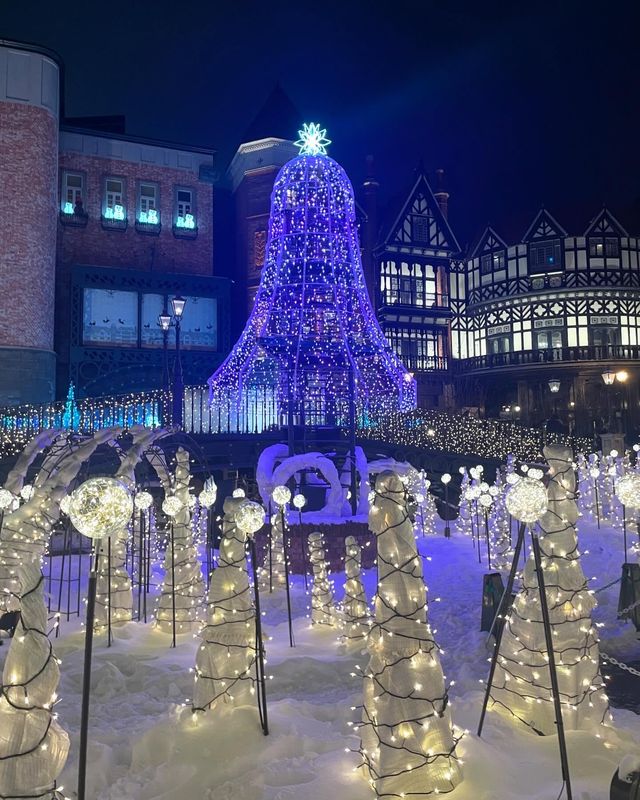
(100, 507)
(281, 495)
(628, 490)
(143, 501)
(526, 500)
(250, 517)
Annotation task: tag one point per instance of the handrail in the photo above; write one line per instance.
(552, 355)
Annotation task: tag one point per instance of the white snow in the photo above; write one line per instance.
(143, 744)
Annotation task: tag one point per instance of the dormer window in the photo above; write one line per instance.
(420, 229)
(491, 262)
(545, 256)
(600, 246)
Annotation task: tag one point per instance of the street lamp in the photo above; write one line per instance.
(446, 479)
(608, 376)
(554, 385)
(165, 321)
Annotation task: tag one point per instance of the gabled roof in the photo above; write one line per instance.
(421, 202)
(488, 241)
(605, 223)
(277, 119)
(544, 226)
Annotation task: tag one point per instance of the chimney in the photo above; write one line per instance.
(442, 197)
(370, 233)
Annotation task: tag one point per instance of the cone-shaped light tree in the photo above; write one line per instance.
(226, 657)
(322, 607)
(408, 743)
(312, 350)
(522, 686)
(33, 746)
(183, 584)
(355, 613)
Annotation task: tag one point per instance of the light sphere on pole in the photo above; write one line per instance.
(171, 506)
(26, 493)
(250, 517)
(628, 490)
(446, 478)
(299, 501)
(207, 497)
(594, 472)
(485, 500)
(100, 507)
(281, 495)
(6, 499)
(143, 501)
(526, 500)
(238, 493)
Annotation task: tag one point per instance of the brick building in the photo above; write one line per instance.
(98, 231)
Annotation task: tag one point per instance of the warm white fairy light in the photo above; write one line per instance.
(281, 495)
(299, 501)
(6, 499)
(250, 517)
(143, 500)
(238, 493)
(100, 507)
(172, 506)
(526, 500)
(628, 490)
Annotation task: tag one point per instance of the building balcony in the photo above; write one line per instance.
(556, 356)
(425, 363)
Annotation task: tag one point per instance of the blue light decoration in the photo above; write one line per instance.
(312, 343)
(149, 217)
(71, 415)
(117, 212)
(68, 208)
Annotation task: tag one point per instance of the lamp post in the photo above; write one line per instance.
(166, 321)
(446, 478)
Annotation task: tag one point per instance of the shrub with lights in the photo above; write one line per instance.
(322, 606)
(521, 687)
(408, 744)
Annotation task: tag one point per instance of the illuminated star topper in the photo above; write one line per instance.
(313, 140)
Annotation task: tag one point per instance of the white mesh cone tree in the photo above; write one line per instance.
(322, 605)
(355, 612)
(272, 575)
(522, 684)
(33, 746)
(226, 657)
(189, 584)
(408, 744)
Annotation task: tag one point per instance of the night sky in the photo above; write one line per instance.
(522, 104)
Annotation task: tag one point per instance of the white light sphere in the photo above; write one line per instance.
(485, 500)
(143, 501)
(513, 478)
(628, 490)
(636, 447)
(65, 504)
(100, 507)
(207, 497)
(172, 506)
(26, 493)
(299, 501)
(535, 473)
(614, 454)
(484, 487)
(281, 495)
(526, 500)
(462, 470)
(594, 472)
(494, 491)
(6, 499)
(250, 517)
(427, 484)
(238, 493)
(446, 478)
(419, 498)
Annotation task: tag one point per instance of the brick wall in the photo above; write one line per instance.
(130, 249)
(28, 210)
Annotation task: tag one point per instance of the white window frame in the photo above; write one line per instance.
(146, 203)
(74, 190)
(185, 209)
(111, 199)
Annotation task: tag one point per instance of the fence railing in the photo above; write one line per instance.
(551, 355)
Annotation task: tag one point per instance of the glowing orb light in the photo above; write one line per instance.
(250, 517)
(628, 490)
(281, 495)
(26, 493)
(526, 500)
(171, 506)
(143, 501)
(6, 499)
(238, 493)
(299, 501)
(100, 507)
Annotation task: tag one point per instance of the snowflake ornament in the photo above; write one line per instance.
(313, 140)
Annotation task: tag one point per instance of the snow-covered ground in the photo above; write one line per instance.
(145, 745)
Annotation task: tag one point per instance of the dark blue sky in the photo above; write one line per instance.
(521, 103)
